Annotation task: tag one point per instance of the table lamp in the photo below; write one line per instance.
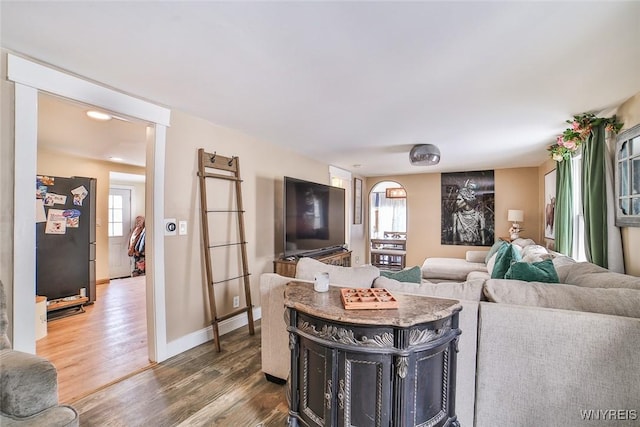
(515, 216)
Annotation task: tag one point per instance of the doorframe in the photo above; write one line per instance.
(29, 79)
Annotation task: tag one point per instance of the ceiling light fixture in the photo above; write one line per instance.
(99, 115)
(424, 155)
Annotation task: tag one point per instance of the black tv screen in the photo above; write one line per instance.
(314, 217)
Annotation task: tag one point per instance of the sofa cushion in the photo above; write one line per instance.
(506, 255)
(470, 290)
(450, 268)
(357, 277)
(615, 301)
(590, 275)
(542, 271)
(412, 275)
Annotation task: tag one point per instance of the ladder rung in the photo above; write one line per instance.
(225, 211)
(233, 313)
(219, 176)
(230, 279)
(227, 244)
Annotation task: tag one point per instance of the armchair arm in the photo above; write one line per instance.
(28, 383)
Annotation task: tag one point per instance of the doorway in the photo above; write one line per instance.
(117, 316)
(388, 225)
(29, 78)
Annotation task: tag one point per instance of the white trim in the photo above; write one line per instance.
(31, 78)
(204, 335)
(24, 231)
(49, 80)
(154, 222)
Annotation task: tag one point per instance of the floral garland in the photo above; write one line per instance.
(573, 137)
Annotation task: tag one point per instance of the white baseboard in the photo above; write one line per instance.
(196, 338)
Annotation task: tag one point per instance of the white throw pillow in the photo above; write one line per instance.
(356, 277)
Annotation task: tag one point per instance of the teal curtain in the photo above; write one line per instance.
(594, 196)
(563, 216)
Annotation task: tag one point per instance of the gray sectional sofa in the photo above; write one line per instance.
(530, 354)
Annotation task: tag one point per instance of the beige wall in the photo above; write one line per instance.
(57, 164)
(513, 190)
(629, 114)
(263, 167)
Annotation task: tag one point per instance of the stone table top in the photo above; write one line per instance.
(412, 309)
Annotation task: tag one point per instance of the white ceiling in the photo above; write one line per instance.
(355, 83)
(63, 126)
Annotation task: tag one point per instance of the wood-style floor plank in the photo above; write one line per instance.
(102, 345)
(199, 387)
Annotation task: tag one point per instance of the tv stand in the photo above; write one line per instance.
(287, 267)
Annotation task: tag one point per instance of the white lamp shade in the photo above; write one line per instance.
(515, 215)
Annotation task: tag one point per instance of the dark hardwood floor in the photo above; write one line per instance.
(199, 387)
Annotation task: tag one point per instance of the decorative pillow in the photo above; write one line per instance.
(542, 271)
(504, 257)
(357, 277)
(522, 242)
(535, 253)
(412, 275)
(497, 245)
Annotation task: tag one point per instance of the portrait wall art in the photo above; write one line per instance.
(468, 208)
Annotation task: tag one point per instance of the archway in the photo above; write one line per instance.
(388, 225)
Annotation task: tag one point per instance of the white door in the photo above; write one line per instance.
(120, 264)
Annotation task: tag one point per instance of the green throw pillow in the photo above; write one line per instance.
(542, 271)
(505, 256)
(496, 246)
(411, 275)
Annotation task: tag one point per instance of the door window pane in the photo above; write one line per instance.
(115, 216)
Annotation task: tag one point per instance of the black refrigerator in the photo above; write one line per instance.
(65, 237)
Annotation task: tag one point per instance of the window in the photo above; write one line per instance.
(578, 253)
(115, 216)
(628, 178)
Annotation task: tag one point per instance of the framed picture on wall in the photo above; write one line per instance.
(468, 206)
(549, 204)
(357, 201)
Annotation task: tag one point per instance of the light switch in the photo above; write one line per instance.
(182, 228)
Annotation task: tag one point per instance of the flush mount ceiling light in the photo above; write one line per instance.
(424, 155)
(99, 115)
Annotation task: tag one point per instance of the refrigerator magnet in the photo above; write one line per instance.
(79, 194)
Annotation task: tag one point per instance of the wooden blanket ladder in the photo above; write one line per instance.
(217, 167)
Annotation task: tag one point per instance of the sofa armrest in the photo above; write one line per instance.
(476, 256)
(274, 336)
(29, 384)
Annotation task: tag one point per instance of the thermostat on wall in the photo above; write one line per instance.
(170, 227)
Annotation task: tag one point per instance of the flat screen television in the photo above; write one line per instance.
(314, 217)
